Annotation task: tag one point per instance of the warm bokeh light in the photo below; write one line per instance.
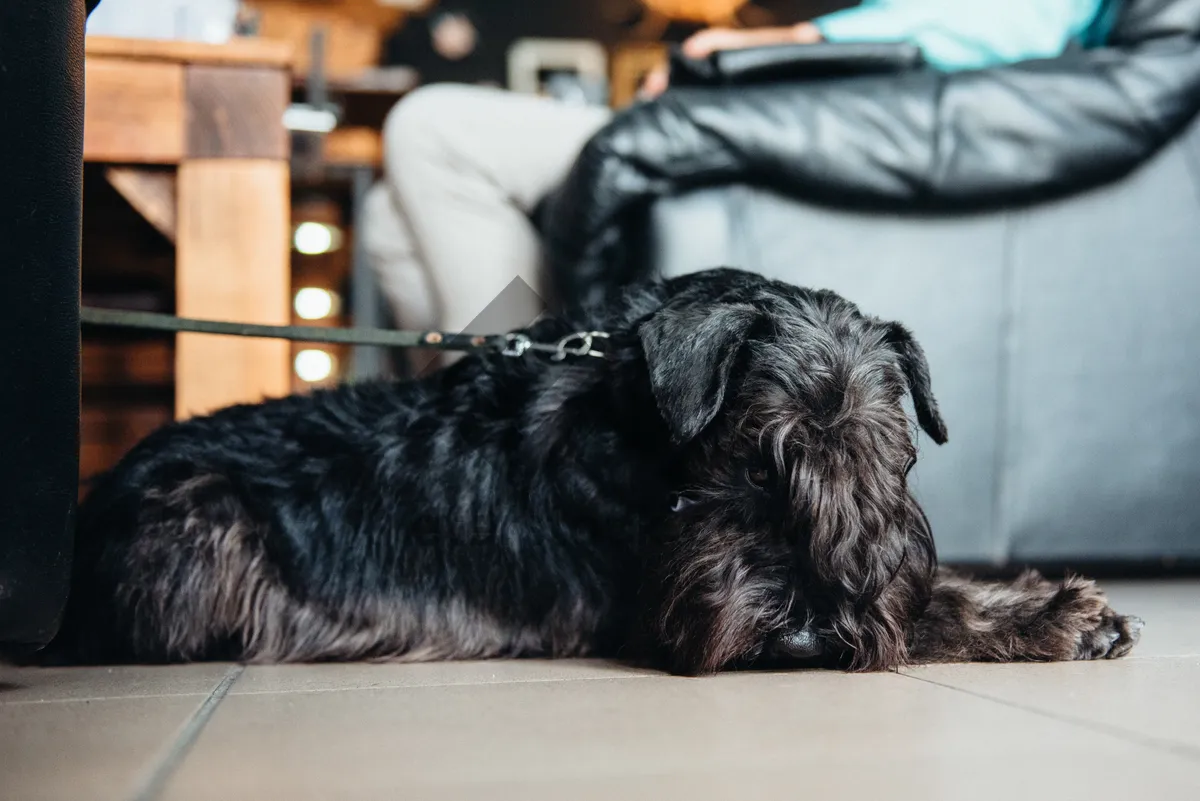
(313, 238)
(707, 11)
(314, 303)
(314, 365)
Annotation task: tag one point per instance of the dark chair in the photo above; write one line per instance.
(41, 147)
(1037, 226)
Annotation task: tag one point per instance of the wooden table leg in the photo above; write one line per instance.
(233, 253)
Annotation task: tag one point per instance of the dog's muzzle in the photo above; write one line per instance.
(793, 645)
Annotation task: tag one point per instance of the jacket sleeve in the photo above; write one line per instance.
(922, 140)
(967, 34)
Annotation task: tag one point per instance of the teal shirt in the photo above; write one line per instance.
(973, 34)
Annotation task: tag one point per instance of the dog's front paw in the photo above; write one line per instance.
(1112, 639)
(1097, 631)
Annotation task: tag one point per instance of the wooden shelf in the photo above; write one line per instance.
(353, 147)
(240, 51)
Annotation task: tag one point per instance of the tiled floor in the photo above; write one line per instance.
(589, 730)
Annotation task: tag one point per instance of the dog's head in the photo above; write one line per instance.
(794, 535)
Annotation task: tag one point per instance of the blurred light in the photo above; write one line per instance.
(313, 238)
(306, 119)
(314, 303)
(454, 37)
(314, 365)
(407, 5)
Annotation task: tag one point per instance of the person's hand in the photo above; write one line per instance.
(710, 40)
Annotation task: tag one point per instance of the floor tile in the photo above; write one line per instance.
(1171, 610)
(1154, 699)
(86, 750)
(733, 736)
(34, 685)
(324, 678)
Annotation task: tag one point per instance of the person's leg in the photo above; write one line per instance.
(466, 165)
(390, 250)
(391, 253)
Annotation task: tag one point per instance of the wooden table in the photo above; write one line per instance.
(214, 114)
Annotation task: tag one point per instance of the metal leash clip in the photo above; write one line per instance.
(577, 344)
(563, 348)
(516, 344)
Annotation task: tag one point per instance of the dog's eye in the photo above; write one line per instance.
(679, 502)
(758, 477)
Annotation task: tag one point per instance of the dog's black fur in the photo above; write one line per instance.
(727, 489)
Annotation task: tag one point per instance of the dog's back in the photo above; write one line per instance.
(356, 522)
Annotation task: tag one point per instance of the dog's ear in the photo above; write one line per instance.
(916, 370)
(690, 353)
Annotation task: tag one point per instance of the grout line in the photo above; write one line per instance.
(464, 683)
(435, 685)
(1184, 750)
(1148, 657)
(86, 699)
(156, 782)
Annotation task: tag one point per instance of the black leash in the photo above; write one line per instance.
(582, 343)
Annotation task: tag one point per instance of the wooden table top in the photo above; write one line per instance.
(240, 51)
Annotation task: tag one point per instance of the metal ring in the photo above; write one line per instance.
(592, 336)
(516, 344)
(586, 339)
(564, 348)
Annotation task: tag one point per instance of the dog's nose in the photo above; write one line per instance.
(798, 644)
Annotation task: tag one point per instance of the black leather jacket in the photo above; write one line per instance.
(913, 140)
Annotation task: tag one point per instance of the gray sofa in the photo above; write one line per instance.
(1064, 340)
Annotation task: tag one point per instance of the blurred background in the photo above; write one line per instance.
(1024, 195)
(998, 198)
(351, 61)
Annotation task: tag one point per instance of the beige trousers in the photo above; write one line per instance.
(447, 231)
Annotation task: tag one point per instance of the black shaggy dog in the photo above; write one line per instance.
(726, 489)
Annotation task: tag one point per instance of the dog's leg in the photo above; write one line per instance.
(1028, 618)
